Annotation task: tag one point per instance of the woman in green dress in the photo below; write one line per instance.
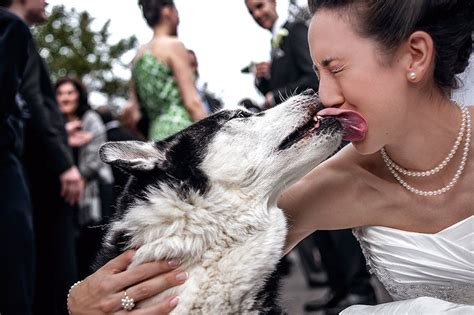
(162, 80)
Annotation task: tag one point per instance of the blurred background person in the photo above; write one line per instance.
(53, 180)
(86, 133)
(290, 69)
(16, 226)
(162, 80)
(116, 132)
(211, 104)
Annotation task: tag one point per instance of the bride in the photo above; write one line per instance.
(405, 184)
(406, 187)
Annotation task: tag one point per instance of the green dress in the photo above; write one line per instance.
(159, 94)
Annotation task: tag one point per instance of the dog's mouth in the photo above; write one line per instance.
(307, 129)
(354, 125)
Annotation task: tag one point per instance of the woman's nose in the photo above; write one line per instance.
(330, 93)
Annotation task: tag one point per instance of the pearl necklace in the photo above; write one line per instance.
(396, 170)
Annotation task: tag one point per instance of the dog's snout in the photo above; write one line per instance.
(309, 92)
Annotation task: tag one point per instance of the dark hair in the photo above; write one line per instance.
(6, 3)
(83, 105)
(151, 10)
(450, 23)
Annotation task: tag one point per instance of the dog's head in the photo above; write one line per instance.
(257, 154)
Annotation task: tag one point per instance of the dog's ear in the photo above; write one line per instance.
(132, 156)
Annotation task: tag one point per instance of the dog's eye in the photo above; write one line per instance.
(242, 114)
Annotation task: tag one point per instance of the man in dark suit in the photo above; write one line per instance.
(16, 228)
(55, 183)
(291, 69)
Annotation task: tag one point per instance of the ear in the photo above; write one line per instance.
(166, 11)
(132, 156)
(421, 53)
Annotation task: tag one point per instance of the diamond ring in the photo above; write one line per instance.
(127, 302)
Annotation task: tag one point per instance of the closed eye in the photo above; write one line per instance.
(242, 114)
(337, 70)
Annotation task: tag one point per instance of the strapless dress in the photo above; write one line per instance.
(424, 273)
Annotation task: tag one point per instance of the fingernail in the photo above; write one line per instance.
(182, 276)
(174, 301)
(174, 262)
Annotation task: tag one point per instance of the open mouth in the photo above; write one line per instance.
(304, 131)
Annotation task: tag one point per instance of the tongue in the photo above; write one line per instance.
(355, 126)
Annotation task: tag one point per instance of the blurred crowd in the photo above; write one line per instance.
(57, 196)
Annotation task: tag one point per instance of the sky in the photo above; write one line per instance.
(221, 32)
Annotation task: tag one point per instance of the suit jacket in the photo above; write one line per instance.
(46, 142)
(291, 65)
(14, 38)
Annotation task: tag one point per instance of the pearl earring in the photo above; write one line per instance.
(412, 75)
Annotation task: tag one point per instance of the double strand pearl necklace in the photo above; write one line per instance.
(396, 170)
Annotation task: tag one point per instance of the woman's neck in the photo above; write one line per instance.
(432, 127)
(71, 117)
(163, 29)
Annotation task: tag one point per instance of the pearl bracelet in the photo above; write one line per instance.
(69, 294)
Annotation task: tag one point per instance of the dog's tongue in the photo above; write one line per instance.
(355, 126)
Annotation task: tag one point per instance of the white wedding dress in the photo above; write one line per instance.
(424, 273)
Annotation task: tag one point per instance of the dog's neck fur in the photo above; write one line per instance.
(205, 231)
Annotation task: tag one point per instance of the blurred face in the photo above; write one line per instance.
(68, 98)
(354, 74)
(35, 11)
(263, 12)
(174, 18)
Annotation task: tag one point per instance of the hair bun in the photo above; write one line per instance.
(151, 10)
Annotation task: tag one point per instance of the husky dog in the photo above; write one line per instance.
(208, 197)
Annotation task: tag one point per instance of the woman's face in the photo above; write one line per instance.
(68, 98)
(174, 16)
(263, 12)
(354, 74)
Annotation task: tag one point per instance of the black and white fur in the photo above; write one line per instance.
(207, 196)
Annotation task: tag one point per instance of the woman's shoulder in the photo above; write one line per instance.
(163, 43)
(91, 115)
(91, 119)
(162, 49)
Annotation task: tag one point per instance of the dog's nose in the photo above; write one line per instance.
(308, 92)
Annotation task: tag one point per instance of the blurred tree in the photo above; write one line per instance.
(71, 47)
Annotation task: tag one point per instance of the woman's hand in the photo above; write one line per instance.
(131, 114)
(72, 185)
(76, 137)
(80, 138)
(102, 292)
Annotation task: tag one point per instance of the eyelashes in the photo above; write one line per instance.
(332, 71)
(337, 70)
